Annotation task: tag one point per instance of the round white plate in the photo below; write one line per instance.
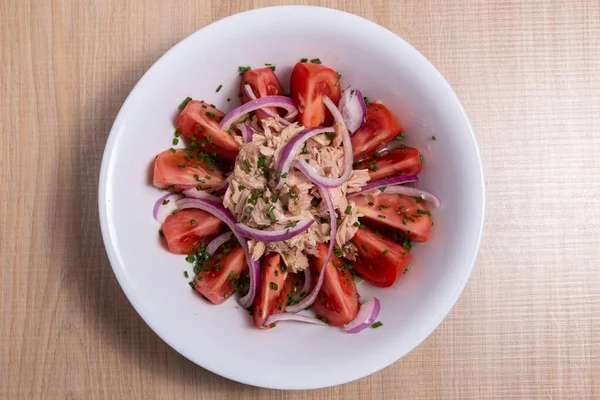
(222, 338)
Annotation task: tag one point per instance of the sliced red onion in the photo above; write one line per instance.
(274, 318)
(268, 101)
(312, 174)
(225, 215)
(201, 194)
(337, 115)
(308, 300)
(307, 284)
(267, 112)
(217, 242)
(368, 313)
(246, 131)
(414, 192)
(353, 109)
(275, 236)
(384, 183)
(292, 148)
(162, 211)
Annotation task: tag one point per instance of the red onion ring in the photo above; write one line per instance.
(217, 242)
(201, 194)
(306, 286)
(162, 211)
(246, 131)
(268, 101)
(397, 180)
(274, 318)
(368, 313)
(337, 115)
(275, 236)
(225, 215)
(308, 300)
(353, 109)
(267, 112)
(414, 192)
(291, 149)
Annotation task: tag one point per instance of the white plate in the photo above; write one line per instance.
(222, 338)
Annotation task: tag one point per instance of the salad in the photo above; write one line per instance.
(291, 200)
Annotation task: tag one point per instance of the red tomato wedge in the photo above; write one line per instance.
(198, 123)
(396, 162)
(398, 212)
(309, 83)
(217, 277)
(379, 129)
(263, 82)
(337, 301)
(181, 170)
(380, 259)
(188, 228)
(272, 291)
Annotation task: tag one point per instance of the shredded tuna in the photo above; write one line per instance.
(253, 199)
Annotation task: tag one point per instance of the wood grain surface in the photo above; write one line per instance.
(527, 325)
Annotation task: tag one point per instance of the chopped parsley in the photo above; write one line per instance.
(366, 99)
(339, 74)
(241, 187)
(407, 268)
(210, 114)
(304, 60)
(242, 69)
(193, 222)
(165, 202)
(315, 61)
(185, 102)
(219, 88)
(433, 137)
(371, 204)
(161, 233)
(348, 209)
(382, 189)
(424, 212)
(356, 224)
(271, 66)
(273, 286)
(172, 150)
(381, 216)
(385, 252)
(247, 163)
(185, 274)
(377, 325)
(315, 202)
(261, 162)
(422, 158)
(272, 213)
(338, 252)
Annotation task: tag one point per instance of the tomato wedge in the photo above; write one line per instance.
(398, 212)
(380, 259)
(379, 129)
(273, 289)
(188, 228)
(395, 162)
(309, 83)
(216, 279)
(198, 123)
(337, 301)
(263, 82)
(181, 169)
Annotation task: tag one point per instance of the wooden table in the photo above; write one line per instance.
(527, 325)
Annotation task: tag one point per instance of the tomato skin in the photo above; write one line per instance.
(263, 82)
(167, 172)
(396, 162)
(200, 121)
(182, 237)
(400, 212)
(379, 129)
(337, 301)
(372, 264)
(309, 84)
(214, 281)
(272, 291)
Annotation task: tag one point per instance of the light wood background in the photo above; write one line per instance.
(527, 325)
